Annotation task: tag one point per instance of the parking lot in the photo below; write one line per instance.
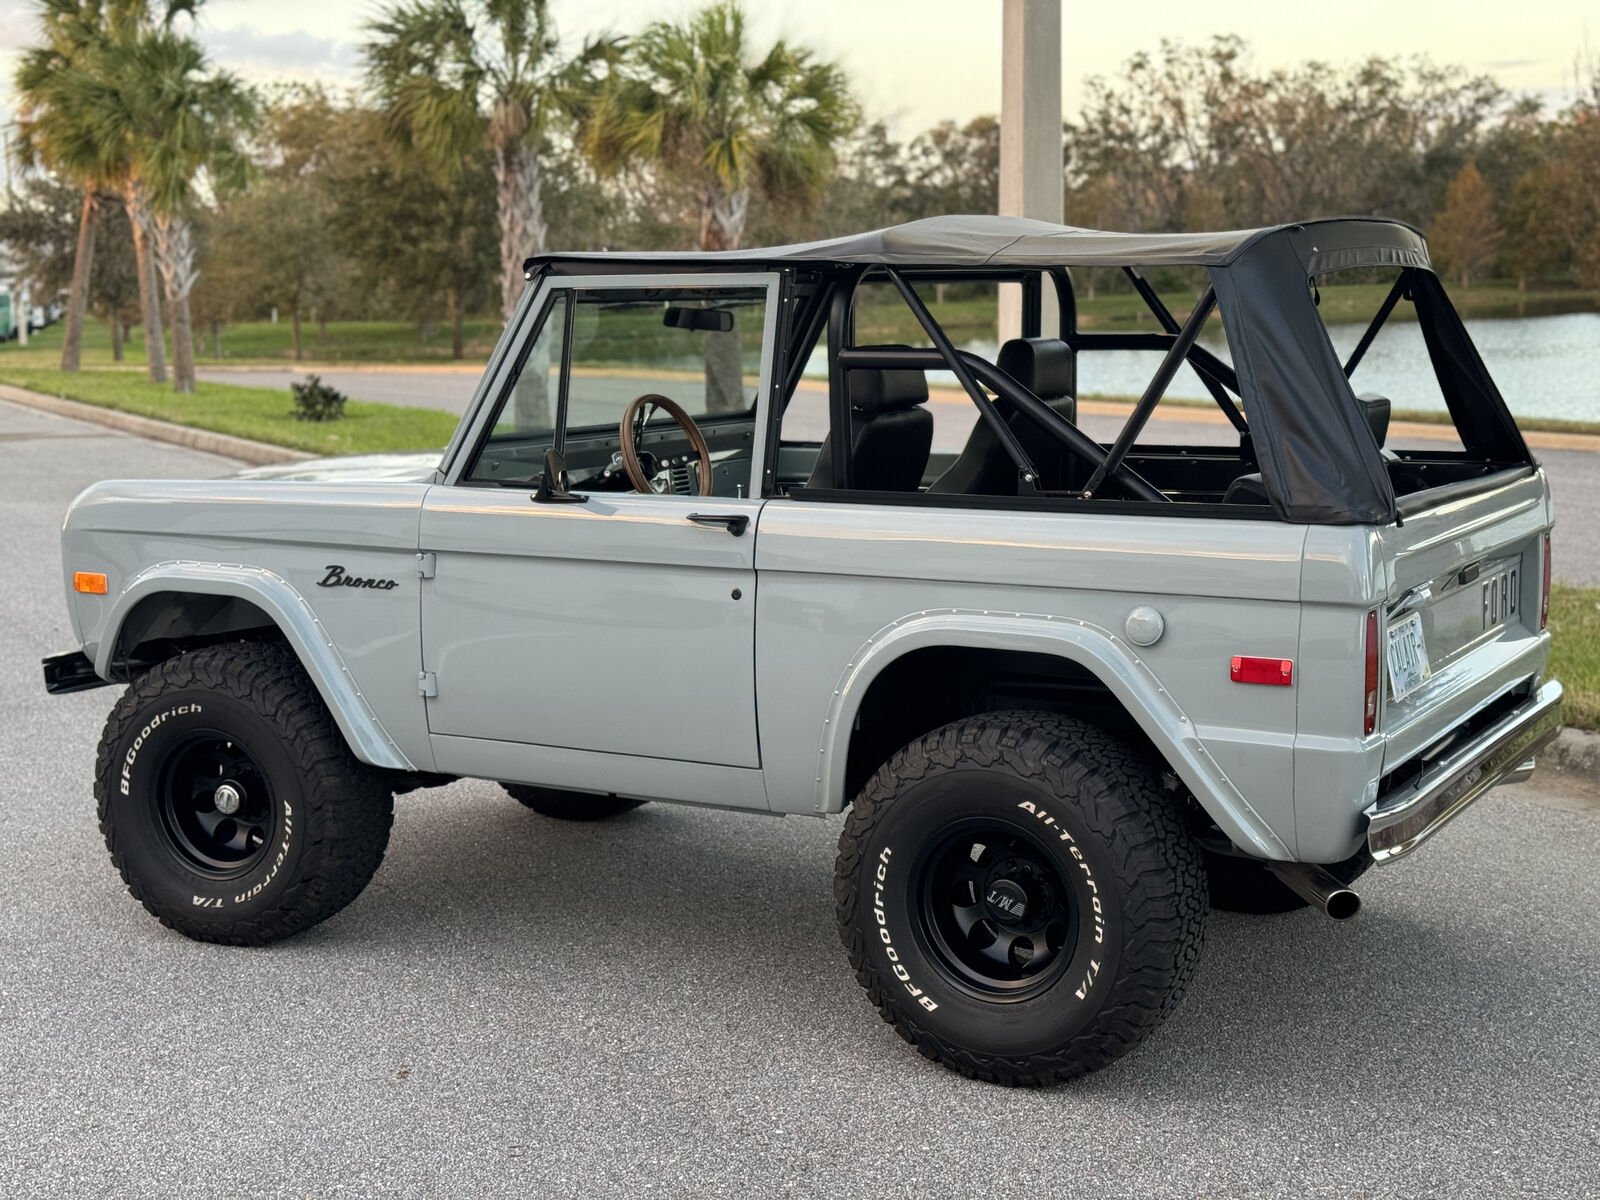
(659, 1006)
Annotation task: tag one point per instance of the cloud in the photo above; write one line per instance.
(298, 52)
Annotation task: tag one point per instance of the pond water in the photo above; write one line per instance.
(1545, 366)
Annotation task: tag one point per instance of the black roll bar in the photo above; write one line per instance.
(1042, 415)
(1027, 474)
(1213, 383)
(1178, 352)
(1387, 307)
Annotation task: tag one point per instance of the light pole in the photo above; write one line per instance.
(1030, 134)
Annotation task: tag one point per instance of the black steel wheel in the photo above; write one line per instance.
(231, 803)
(215, 805)
(1020, 897)
(996, 912)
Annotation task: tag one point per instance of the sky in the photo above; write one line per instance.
(918, 62)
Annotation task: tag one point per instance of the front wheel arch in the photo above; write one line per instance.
(169, 587)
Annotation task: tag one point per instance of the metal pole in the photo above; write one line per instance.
(1030, 132)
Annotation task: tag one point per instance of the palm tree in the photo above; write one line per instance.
(69, 87)
(456, 76)
(182, 119)
(62, 94)
(694, 103)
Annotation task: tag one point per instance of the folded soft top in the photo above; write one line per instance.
(991, 241)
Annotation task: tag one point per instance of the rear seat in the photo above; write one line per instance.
(1045, 366)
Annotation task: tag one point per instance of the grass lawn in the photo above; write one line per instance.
(260, 413)
(1575, 653)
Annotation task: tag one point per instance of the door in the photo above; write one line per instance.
(593, 616)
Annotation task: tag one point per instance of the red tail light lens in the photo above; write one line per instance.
(1544, 586)
(1369, 711)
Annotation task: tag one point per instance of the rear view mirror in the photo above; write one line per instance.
(709, 320)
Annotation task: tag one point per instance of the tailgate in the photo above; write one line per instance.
(1460, 623)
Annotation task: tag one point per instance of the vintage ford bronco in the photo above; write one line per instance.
(1072, 692)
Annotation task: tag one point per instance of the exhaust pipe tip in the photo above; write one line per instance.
(1315, 886)
(1342, 904)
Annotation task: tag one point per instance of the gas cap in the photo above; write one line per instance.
(1145, 626)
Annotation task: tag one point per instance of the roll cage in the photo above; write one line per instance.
(1287, 395)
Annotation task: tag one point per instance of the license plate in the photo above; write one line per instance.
(1408, 656)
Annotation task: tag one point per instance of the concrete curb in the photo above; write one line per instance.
(240, 449)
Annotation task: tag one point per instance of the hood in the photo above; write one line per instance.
(412, 466)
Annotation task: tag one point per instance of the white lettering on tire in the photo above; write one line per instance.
(138, 742)
(1089, 881)
(881, 877)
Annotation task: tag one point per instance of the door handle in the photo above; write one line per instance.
(734, 523)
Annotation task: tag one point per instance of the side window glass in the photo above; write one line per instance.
(524, 420)
(698, 347)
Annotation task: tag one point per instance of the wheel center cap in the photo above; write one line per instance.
(1007, 901)
(227, 799)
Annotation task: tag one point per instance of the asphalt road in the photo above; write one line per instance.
(659, 1006)
(1574, 474)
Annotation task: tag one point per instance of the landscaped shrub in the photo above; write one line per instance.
(316, 401)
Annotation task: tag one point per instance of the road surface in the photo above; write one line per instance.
(658, 1006)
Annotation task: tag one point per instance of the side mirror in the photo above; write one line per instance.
(707, 320)
(553, 483)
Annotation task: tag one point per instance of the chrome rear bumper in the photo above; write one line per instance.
(1399, 823)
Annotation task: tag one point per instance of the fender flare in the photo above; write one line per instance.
(1112, 660)
(295, 619)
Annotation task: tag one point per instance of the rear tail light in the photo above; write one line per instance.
(1544, 587)
(1369, 709)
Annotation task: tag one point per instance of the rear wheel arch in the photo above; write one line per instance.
(1072, 657)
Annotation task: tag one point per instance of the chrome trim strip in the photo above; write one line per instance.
(1398, 826)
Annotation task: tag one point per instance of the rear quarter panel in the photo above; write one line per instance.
(833, 577)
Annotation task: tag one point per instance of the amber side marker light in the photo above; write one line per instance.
(1276, 671)
(92, 582)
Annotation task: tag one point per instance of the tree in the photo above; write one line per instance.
(182, 119)
(454, 77)
(425, 245)
(60, 87)
(40, 229)
(1465, 237)
(693, 102)
(1534, 245)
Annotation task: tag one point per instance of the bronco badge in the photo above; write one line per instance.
(337, 578)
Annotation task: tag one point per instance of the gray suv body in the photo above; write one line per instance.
(691, 543)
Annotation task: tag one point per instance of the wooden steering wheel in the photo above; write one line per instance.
(632, 432)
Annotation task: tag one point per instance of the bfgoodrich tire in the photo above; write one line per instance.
(569, 806)
(1019, 897)
(229, 800)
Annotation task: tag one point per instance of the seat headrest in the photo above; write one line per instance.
(1376, 408)
(1044, 366)
(887, 391)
